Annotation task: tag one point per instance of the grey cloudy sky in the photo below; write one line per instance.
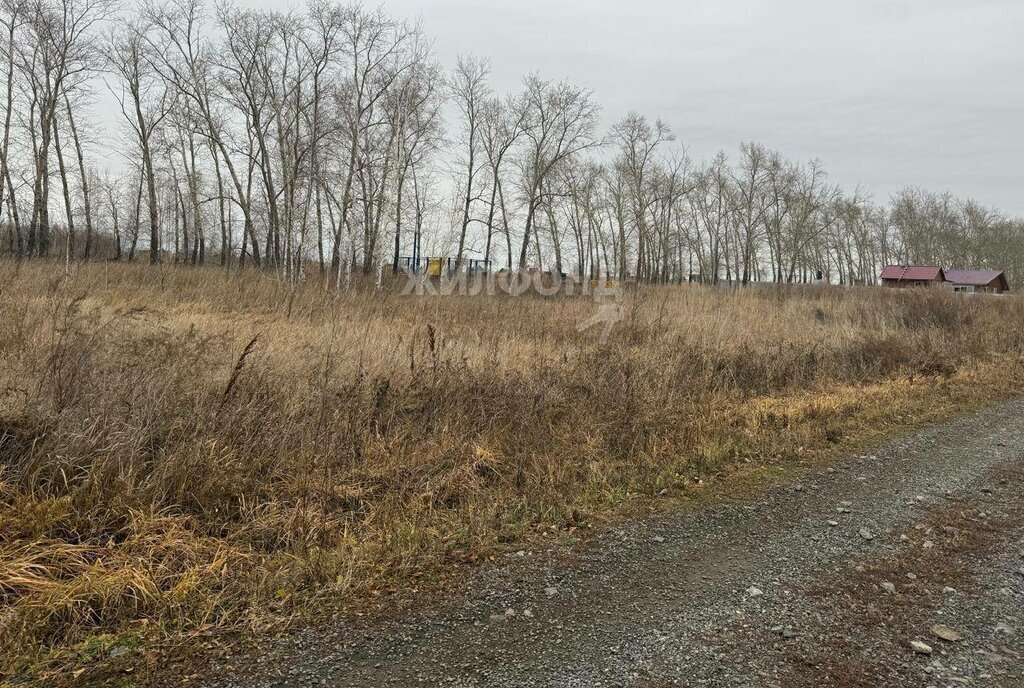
(886, 92)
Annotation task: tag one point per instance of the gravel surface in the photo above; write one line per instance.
(824, 583)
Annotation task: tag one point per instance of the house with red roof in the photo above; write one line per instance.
(963, 281)
(906, 276)
(978, 281)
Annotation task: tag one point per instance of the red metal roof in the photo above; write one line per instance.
(977, 278)
(913, 273)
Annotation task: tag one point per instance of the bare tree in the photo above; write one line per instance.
(559, 121)
(377, 53)
(414, 114)
(502, 127)
(181, 57)
(11, 17)
(57, 48)
(145, 100)
(325, 126)
(752, 201)
(470, 91)
(638, 142)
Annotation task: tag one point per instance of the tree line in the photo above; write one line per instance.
(330, 139)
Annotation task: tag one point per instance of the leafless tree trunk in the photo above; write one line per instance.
(68, 207)
(84, 177)
(10, 17)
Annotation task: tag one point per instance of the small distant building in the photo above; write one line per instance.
(907, 276)
(978, 281)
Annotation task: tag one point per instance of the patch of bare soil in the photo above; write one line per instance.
(892, 619)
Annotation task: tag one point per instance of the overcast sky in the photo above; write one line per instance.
(886, 93)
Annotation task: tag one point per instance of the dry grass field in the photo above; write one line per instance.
(183, 450)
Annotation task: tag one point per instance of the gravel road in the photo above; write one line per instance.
(826, 583)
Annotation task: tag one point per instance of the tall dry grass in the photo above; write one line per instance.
(181, 449)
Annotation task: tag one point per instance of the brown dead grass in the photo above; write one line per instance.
(182, 450)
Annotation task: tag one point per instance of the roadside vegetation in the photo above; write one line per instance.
(183, 450)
